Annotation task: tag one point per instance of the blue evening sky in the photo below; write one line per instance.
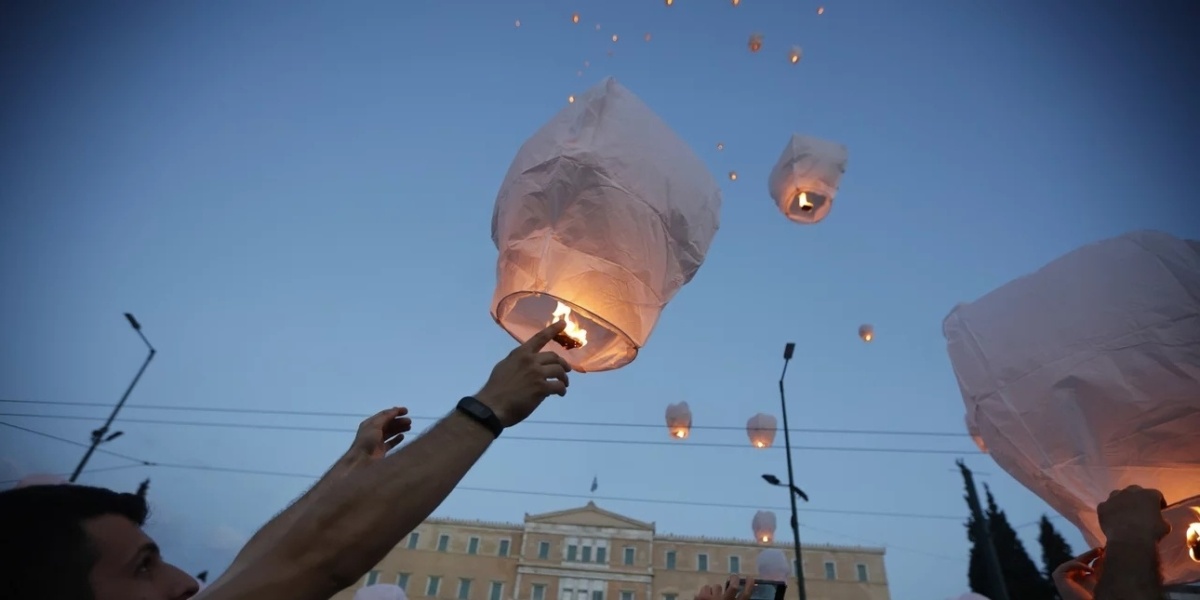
(295, 198)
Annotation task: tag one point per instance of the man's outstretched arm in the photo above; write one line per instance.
(349, 529)
(375, 436)
(1132, 521)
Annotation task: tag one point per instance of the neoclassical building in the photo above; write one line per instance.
(589, 553)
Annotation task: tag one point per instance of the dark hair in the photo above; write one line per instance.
(47, 553)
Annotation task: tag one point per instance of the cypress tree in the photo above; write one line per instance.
(1055, 550)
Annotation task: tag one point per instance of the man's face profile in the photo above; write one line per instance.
(129, 566)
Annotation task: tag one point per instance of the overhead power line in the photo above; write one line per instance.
(561, 440)
(303, 413)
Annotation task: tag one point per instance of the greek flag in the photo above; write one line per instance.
(595, 483)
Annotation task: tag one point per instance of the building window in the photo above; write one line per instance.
(670, 596)
(402, 581)
(572, 551)
(701, 562)
(597, 595)
(372, 577)
(539, 590)
(464, 589)
(443, 542)
(587, 554)
(413, 538)
(830, 570)
(862, 572)
(626, 595)
(431, 588)
(497, 590)
(630, 554)
(602, 555)
(671, 560)
(473, 546)
(503, 549)
(543, 550)
(735, 565)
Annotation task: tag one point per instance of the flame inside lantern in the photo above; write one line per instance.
(572, 336)
(760, 445)
(1193, 537)
(803, 203)
(575, 18)
(766, 539)
(755, 43)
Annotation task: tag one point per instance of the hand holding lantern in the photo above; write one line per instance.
(1134, 514)
(521, 380)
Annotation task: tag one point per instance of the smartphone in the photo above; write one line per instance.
(764, 589)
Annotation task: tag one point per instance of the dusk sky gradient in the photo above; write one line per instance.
(294, 198)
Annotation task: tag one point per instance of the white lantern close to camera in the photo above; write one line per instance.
(603, 216)
(806, 177)
(772, 564)
(1084, 378)
(679, 420)
(973, 431)
(764, 526)
(761, 429)
(381, 591)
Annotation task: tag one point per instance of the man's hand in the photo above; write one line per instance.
(380, 433)
(524, 378)
(1076, 579)
(1134, 514)
(727, 592)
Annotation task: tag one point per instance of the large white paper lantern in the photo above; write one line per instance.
(805, 180)
(772, 565)
(973, 431)
(679, 420)
(1084, 378)
(764, 526)
(603, 216)
(381, 591)
(761, 430)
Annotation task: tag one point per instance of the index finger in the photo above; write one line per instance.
(748, 591)
(543, 337)
(1087, 557)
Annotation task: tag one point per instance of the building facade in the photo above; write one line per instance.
(589, 553)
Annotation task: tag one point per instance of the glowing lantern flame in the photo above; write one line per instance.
(803, 203)
(736, 2)
(570, 100)
(670, 2)
(763, 525)
(756, 42)
(679, 420)
(1193, 537)
(575, 337)
(866, 332)
(575, 18)
(761, 430)
(796, 54)
(733, 175)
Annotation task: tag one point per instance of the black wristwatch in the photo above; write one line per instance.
(480, 412)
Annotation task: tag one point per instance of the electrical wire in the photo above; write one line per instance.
(521, 438)
(302, 413)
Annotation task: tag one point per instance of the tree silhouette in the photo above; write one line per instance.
(1055, 550)
(1021, 576)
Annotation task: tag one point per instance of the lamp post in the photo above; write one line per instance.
(102, 435)
(794, 491)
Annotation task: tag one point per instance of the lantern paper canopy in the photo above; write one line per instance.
(772, 564)
(805, 180)
(866, 333)
(755, 42)
(603, 216)
(761, 429)
(679, 420)
(795, 54)
(1084, 378)
(382, 591)
(974, 433)
(764, 526)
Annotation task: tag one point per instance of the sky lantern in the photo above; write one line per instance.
(575, 18)
(795, 54)
(772, 565)
(614, 37)
(735, 2)
(603, 177)
(720, 146)
(820, 10)
(647, 37)
(761, 429)
(805, 180)
(764, 526)
(669, 2)
(755, 42)
(679, 420)
(866, 332)
(381, 591)
(1084, 378)
(517, 23)
(733, 175)
(973, 431)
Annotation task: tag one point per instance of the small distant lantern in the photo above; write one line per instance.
(736, 2)
(795, 54)
(647, 37)
(670, 2)
(517, 23)
(805, 180)
(761, 429)
(764, 526)
(755, 43)
(579, 73)
(597, 27)
(575, 18)
(587, 63)
(720, 146)
(772, 565)
(866, 332)
(614, 38)
(570, 99)
(733, 175)
(679, 420)
(820, 10)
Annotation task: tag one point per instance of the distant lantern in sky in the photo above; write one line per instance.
(570, 99)
(736, 2)
(755, 43)
(761, 429)
(517, 23)
(597, 27)
(820, 10)
(603, 175)
(614, 37)
(764, 526)
(720, 146)
(579, 73)
(772, 565)
(679, 420)
(575, 18)
(587, 63)
(795, 54)
(669, 2)
(733, 175)
(805, 179)
(647, 37)
(866, 332)
(1083, 378)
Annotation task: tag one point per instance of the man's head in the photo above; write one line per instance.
(82, 543)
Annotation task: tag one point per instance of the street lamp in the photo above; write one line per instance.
(102, 435)
(788, 350)
(773, 480)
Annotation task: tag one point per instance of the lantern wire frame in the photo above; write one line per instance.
(519, 314)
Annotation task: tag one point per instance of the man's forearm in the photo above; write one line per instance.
(352, 526)
(1131, 572)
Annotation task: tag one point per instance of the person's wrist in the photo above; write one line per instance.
(496, 404)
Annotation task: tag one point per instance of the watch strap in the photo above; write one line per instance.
(481, 413)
